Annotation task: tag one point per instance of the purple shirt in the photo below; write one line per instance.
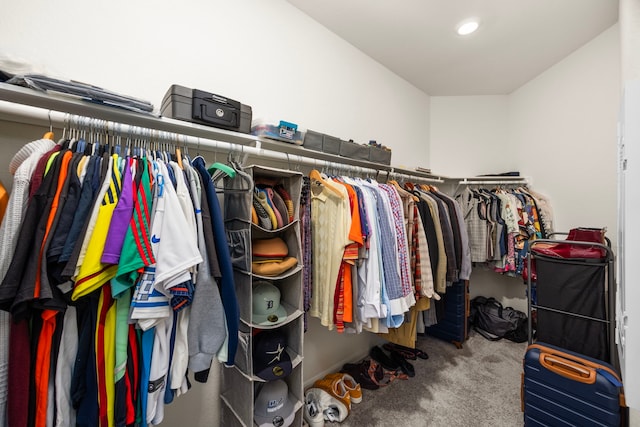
(120, 219)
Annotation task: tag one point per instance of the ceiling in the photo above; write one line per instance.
(416, 39)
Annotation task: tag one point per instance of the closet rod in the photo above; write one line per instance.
(417, 178)
(40, 116)
(493, 182)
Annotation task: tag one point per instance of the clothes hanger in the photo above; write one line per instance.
(218, 166)
(226, 169)
(317, 176)
(178, 154)
(402, 190)
(49, 134)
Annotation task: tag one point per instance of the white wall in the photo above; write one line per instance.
(559, 129)
(469, 135)
(265, 54)
(564, 125)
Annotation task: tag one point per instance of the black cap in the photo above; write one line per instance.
(270, 358)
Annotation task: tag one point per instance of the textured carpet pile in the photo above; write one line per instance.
(478, 385)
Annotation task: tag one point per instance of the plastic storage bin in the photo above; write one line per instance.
(283, 131)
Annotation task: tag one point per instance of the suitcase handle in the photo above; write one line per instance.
(568, 369)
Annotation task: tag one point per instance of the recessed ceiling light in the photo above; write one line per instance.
(467, 27)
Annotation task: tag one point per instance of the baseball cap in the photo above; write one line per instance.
(267, 310)
(270, 358)
(272, 406)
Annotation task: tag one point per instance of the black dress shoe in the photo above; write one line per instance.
(381, 357)
(403, 363)
(407, 352)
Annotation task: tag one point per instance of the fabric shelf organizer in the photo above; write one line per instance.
(262, 209)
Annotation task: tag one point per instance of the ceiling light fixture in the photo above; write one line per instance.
(467, 27)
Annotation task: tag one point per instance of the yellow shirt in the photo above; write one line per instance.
(330, 225)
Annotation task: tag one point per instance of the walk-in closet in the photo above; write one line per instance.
(378, 173)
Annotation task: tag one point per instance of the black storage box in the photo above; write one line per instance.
(198, 106)
(320, 142)
(354, 151)
(380, 155)
(312, 140)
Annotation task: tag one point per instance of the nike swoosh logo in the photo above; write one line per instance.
(155, 239)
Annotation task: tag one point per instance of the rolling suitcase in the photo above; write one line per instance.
(563, 388)
(453, 327)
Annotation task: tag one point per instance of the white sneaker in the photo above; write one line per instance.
(312, 409)
(333, 409)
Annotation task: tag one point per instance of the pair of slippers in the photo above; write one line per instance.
(394, 361)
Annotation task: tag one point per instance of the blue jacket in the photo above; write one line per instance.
(227, 286)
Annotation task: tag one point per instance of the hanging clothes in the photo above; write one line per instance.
(330, 225)
(21, 167)
(501, 222)
(402, 258)
(87, 228)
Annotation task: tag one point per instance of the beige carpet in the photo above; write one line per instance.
(478, 385)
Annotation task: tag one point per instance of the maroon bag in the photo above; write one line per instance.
(569, 250)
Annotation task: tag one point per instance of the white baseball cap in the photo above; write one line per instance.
(272, 406)
(267, 310)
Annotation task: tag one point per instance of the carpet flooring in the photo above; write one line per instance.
(478, 385)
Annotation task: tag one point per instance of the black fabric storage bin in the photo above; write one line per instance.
(330, 144)
(313, 140)
(354, 151)
(379, 155)
(577, 287)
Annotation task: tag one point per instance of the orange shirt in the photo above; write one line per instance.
(4, 200)
(350, 256)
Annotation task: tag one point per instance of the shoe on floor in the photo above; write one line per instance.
(365, 373)
(404, 364)
(382, 358)
(313, 409)
(407, 352)
(352, 386)
(333, 409)
(336, 388)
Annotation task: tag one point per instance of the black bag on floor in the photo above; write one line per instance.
(493, 321)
